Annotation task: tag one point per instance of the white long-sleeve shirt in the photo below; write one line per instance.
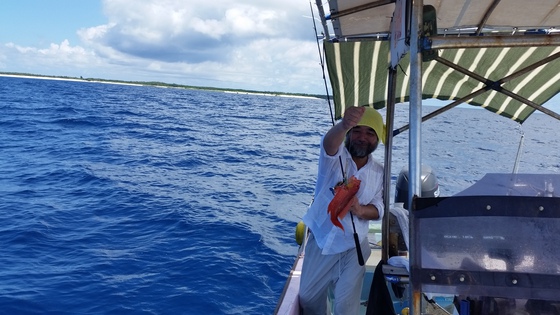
(332, 239)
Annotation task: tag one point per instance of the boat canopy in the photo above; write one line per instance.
(355, 18)
(500, 55)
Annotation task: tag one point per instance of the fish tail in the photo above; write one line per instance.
(334, 218)
(344, 211)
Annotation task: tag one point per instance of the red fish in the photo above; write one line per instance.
(341, 202)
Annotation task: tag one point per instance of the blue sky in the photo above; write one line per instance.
(35, 22)
(247, 44)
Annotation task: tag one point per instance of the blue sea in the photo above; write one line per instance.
(121, 199)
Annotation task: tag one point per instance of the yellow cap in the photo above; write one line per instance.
(373, 119)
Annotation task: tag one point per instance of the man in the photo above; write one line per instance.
(331, 260)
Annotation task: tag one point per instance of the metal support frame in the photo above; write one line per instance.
(446, 42)
(319, 4)
(390, 119)
(490, 85)
(497, 85)
(415, 120)
(487, 16)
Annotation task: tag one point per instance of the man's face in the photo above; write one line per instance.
(361, 141)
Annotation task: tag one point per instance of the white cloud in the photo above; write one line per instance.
(250, 44)
(195, 32)
(62, 54)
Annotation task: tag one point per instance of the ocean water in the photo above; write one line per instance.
(124, 199)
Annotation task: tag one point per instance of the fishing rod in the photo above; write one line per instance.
(344, 177)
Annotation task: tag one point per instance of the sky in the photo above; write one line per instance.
(261, 45)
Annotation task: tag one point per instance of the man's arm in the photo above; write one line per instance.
(335, 136)
(365, 212)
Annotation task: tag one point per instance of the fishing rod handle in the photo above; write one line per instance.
(358, 249)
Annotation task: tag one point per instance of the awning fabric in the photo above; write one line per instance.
(358, 75)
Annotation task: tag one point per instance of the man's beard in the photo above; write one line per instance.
(360, 151)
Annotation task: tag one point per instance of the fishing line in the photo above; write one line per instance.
(519, 150)
(322, 63)
(344, 177)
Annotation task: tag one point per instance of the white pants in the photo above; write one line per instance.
(341, 272)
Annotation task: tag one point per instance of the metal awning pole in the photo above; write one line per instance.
(414, 142)
(456, 42)
(389, 121)
(323, 19)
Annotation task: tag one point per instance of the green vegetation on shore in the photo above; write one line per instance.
(161, 84)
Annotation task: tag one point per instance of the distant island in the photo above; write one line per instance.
(159, 84)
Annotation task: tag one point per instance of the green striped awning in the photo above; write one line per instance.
(358, 73)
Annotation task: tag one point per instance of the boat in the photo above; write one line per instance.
(499, 55)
